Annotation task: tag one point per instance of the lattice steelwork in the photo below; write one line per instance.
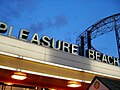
(108, 24)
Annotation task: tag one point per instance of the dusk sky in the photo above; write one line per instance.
(61, 19)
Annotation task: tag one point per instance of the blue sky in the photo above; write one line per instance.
(61, 19)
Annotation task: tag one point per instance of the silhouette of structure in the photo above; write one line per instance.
(108, 24)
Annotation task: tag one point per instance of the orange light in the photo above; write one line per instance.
(19, 76)
(74, 84)
(52, 88)
(9, 83)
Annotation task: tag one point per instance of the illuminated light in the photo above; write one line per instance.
(19, 76)
(52, 89)
(8, 68)
(9, 83)
(87, 81)
(9, 54)
(36, 87)
(26, 89)
(74, 84)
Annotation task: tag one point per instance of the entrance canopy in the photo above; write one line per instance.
(48, 67)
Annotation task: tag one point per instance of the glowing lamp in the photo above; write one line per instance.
(9, 83)
(73, 84)
(52, 89)
(19, 76)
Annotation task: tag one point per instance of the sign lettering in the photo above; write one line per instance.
(58, 45)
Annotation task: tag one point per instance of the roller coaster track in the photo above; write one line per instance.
(108, 24)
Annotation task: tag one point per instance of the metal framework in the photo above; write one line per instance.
(108, 24)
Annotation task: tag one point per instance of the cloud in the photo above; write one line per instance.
(49, 23)
(11, 9)
(60, 21)
(37, 27)
(57, 22)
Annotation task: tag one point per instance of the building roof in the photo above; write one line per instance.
(110, 83)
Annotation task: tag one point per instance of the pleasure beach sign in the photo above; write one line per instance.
(58, 45)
